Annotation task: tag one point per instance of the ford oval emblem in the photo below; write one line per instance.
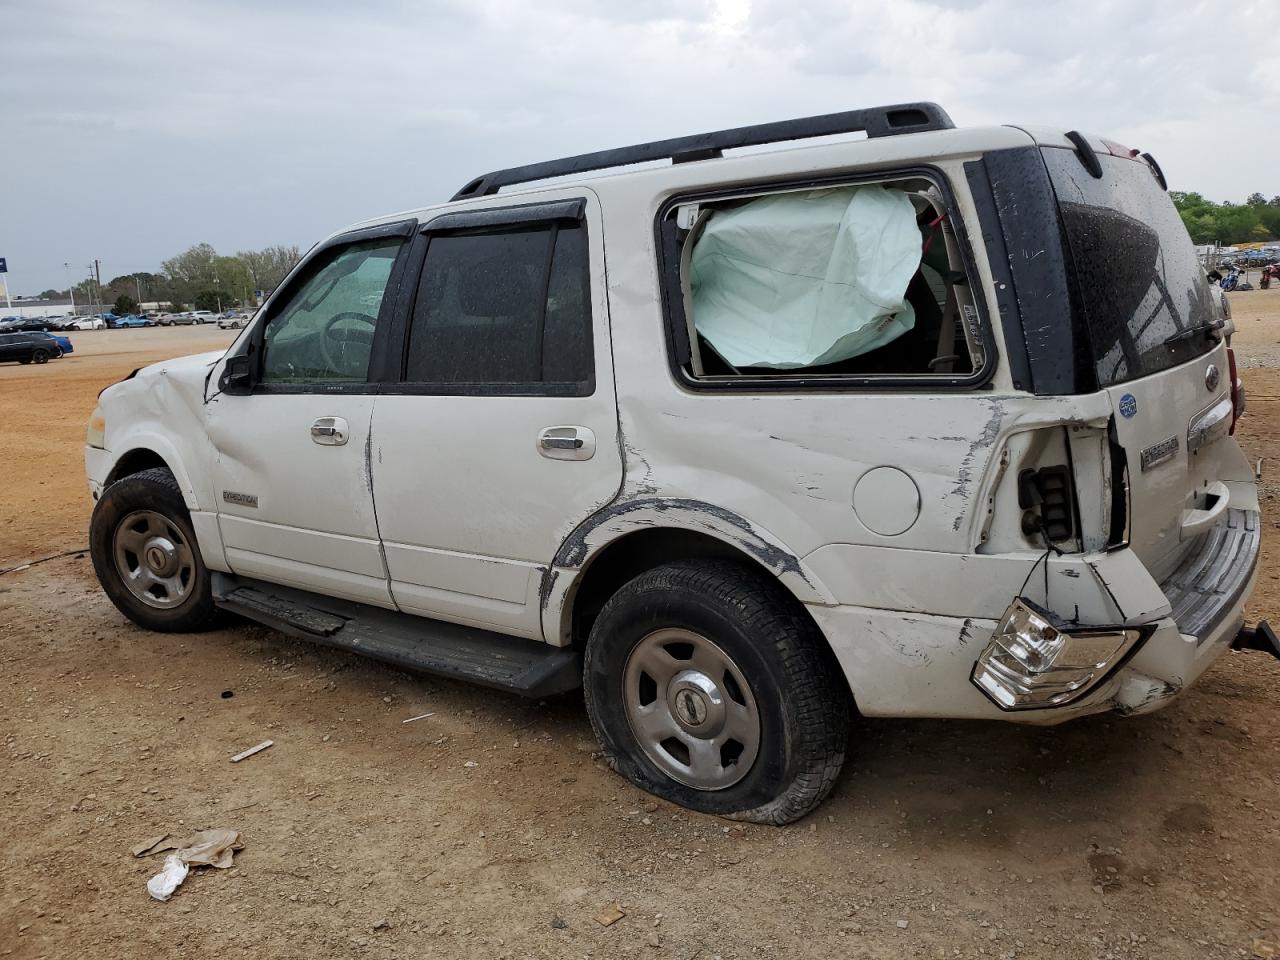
(1212, 377)
(1128, 406)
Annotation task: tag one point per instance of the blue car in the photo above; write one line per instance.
(63, 343)
(131, 320)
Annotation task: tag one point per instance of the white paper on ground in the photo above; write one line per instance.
(806, 278)
(162, 885)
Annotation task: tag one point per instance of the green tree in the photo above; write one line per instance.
(124, 304)
(207, 300)
(268, 266)
(52, 294)
(191, 271)
(234, 280)
(1255, 200)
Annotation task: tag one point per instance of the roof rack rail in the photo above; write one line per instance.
(874, 121)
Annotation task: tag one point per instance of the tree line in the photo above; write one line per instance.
(199, 278)
(1257, 220)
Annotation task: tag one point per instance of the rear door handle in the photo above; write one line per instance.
(330, 431)
(566, 443)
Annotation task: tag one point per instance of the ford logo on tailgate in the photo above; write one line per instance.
(1128, 406)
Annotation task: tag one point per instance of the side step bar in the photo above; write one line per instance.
(527, 667)
(1261, 637)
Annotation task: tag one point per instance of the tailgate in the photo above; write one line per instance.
(1174, 427)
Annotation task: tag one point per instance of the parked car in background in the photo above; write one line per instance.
(28, 324)
(89, 323)
(27, 348)
(132, 320)
(62, 343)
(232, 321)
(174, 319)
(204, 316)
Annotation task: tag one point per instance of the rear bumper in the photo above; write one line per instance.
(911, 664)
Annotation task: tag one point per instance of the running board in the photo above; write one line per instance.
(527, 667)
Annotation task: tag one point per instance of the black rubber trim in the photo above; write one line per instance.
(1088, 159)
(1015, 346)
(1155, 168)
(504, 216)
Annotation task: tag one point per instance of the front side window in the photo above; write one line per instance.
(324, 332)
(857, 280)
(507, 308)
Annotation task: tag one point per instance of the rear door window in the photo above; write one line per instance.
(1133, 271)
(507, 311)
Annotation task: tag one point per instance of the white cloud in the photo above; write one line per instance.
(244, 123)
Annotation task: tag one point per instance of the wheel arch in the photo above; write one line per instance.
(153, 453)
(625, 540)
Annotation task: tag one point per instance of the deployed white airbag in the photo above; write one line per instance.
(806, 278)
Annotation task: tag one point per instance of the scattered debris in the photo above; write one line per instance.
(152, 845)
(559, 924)
(421, 716)
(162, 885)
(208, 848)
(903, 924)
(610, 915)
(251, 751)
(1265, 949)
(471, 764)
(228, 694)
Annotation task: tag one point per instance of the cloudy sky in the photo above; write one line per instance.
(134, 129)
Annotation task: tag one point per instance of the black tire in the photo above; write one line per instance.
(802, 700)
(152, 490)
(40, 355)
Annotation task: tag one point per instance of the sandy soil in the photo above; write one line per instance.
(491, 828)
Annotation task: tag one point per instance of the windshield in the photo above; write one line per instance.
(1132, 267)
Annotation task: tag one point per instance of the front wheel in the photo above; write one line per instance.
(145, 554)
(40, 356)
(708, 686)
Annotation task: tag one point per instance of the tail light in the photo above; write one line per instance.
(1237, 390)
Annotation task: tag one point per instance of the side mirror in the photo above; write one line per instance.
(236, 379)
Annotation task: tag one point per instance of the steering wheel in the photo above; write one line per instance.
(329, 341)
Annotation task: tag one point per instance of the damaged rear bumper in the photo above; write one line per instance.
(912, 664)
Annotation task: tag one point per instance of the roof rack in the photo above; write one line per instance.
(874, 121)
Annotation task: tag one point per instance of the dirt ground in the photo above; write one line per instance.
(491, 829)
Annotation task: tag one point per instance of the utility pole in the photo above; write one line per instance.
(71, 287)
(97, 273)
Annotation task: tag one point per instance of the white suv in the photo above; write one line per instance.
(932, 424)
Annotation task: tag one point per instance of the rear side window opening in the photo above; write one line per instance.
(820, 285)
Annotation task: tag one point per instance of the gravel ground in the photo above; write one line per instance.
(492, 829)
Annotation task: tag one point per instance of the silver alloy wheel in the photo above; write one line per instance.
(153, 559)
(690, 709)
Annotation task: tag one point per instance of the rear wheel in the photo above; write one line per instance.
(708, 686)
(145, 554)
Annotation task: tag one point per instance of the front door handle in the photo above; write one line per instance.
(566, 443)
(330, 431)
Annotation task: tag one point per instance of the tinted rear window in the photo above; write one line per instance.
(1132, 269)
